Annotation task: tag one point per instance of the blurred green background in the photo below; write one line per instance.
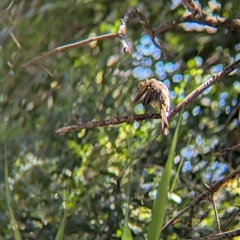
(85, 172)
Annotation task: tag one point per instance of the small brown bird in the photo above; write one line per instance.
(157, 94)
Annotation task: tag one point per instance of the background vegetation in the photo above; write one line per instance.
(85, 172)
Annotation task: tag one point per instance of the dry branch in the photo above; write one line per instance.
(232, 217)
(215, 213)
(68, 46)
(192, 6)
(233, 24)
(227, 150)
(141, 117)
(210, 191)
(219, 236)
(196, 16)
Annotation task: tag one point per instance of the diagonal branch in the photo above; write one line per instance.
(141, 117)
(215, 213)
(68, 46)
(216, 77)
(192, 6)
(216, 22)
(220, 236)
(227, 150)
(212, 189)
(236, 213)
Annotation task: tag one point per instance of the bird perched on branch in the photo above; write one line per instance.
(157, 94)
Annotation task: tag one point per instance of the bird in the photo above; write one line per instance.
(151, 91)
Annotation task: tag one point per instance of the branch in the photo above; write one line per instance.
(107, 122)
(68, 46)
(197, 16)
(192, 6)
(232, 217)
(219, 236)
(141, 117)
(215, 212)
(216, 22)
(143, 21)
(191, 216)
(212, 189)
(216, 77)
(227, 150)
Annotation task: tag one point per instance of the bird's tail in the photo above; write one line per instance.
(164, 122)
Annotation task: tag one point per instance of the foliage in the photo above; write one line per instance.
(82, 178)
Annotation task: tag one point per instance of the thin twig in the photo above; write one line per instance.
(145, 25)
(219, 236)
(191, 216)
(223, 131)
(144, 22)
(215, 213)
(230, 116)
(192, 6)
(212, 189)
(15, 39)
(122, 30)
(227, 150)
(68, 46)
(231, 218)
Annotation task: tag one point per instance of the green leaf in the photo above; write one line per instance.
(127, 235)
(14, 225)
(160, 204)
(60, 233)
